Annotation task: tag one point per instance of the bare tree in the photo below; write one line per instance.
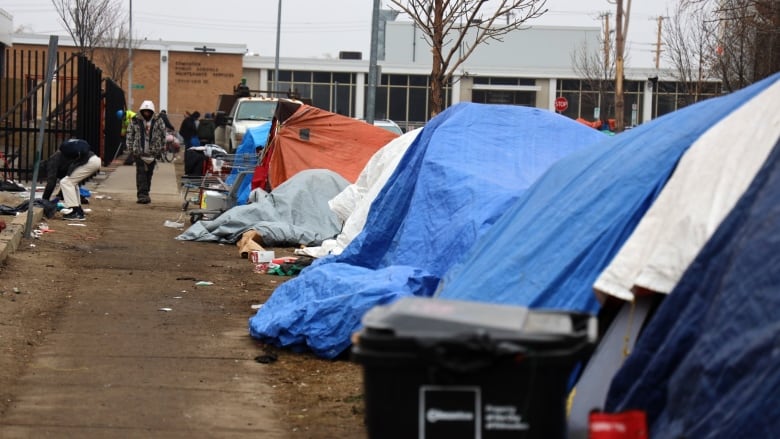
(691, 40)
(454, 28)
(115, 54)
(595, 65)
(748, 39)
(89, 22)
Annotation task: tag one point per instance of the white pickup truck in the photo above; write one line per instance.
(247, 112)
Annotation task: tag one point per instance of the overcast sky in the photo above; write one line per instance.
(314, 28)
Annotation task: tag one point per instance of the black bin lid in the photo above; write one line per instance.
(418, 317)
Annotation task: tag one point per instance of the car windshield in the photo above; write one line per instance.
(256, 110)
(392, 128)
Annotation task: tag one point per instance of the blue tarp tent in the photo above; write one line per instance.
(246, 158)
(465, 168)
(551, 245)
(707, 364)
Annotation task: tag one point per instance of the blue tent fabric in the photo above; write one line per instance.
(246, 158)
(707, 364)
(551, 245)
(465, 168)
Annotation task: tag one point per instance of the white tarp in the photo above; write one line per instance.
(707, 182)
(353, 203)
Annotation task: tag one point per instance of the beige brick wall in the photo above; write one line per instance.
(195, 79)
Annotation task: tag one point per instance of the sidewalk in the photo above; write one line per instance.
(118, 338)
(119, 180)
(115, 179)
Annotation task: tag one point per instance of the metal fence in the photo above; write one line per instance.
(75, 109)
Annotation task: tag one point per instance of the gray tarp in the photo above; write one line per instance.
(294, 213)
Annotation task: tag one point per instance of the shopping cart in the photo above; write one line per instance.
(217, 198)
(216, 189)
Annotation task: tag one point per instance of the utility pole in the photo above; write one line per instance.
(372, 65)
(619, 47)
(658, 43)
(278, 34)
(606, 43)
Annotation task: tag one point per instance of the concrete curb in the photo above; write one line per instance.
(11, 237)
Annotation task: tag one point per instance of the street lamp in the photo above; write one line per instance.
(278, 32)
(130, 63)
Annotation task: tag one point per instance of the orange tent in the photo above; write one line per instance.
(305, 137)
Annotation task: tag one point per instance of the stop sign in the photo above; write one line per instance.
(561, 104)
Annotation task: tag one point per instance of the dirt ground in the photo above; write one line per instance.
(126, 248)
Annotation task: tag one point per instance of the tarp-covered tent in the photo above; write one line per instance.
(246, 156)
(706, 184)
(353, 203)
(465, 168)
(295, 213)
(305, 137)
(551, 245)
(707, 364)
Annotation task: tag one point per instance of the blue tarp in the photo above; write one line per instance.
(707, 364)
(551, 245)
(466, 167)
(246, 158)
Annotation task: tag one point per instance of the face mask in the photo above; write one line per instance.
(147, 115)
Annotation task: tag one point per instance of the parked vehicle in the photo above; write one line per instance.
(246, 113)
(389, 125)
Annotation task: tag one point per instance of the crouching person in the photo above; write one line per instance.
(73, 163)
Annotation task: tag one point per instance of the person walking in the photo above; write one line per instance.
(189, 130)
(73, 163)
(166, 121)
(193, 160)
(146, 139)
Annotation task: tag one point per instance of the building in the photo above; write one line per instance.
(531, 67)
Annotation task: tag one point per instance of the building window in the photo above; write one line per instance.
(671, 96)
(405, 99)
(509, 97)
(591, 100)
(334, 92)
(490, 80)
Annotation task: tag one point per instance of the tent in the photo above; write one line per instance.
(305, 137)
(706, 184)
(460, 174)
(549, 247)
(295, 213)
(706, 365)
(353, 203)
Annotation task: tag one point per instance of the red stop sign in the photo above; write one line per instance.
(561, 104)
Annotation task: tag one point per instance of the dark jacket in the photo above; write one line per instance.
(166, 121)
(206, 131)
(72, 154)
(188, 130)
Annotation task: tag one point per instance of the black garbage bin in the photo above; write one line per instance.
(438, 369)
